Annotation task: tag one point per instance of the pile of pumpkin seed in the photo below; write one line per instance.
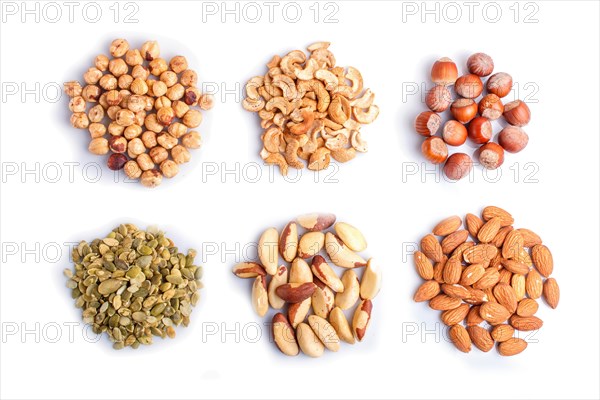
(134, 285)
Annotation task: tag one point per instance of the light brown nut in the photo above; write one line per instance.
(423, 265)
(489, 230)
(288, 242)
(362, 319)
(340, 324)
(511, 347)
(473, 317)
(324, 332)
(506, 296)
(308, 72)
(503, 332)
(370, 284)
(490, 277)
(542, 259)
(320, 159)
(295, 292)
(366, 117)
(357, 142)
(472, 274)
(297, 312)
(527, 308)
(515, 267)
(513, 244)
(438, 270)
(354, 76)
(252, 87)
(551, 292)
(534, 284)
(530, 238)
(476, 296)
(260, 300)
(453, 240)
(427, 291)
(474, 223)
(518, 284)
(339, 109)
(348, 297)
(340, 254)
(249, 270)
(494, 313)
(447, 226)
(326, 274)
(455, 316)
(284, 336)
(452, 270)
(481, 338)
(322, 299)
(480, 253)
(492, 211)
(500, 237)
(280, 278)
(300, 271)
(460, 337)
(253, 105)
(351, 236)
(456, 290)
(316, 222)
(291, 61)
(291, 154)
(343, 155)
(432, 248)
(303, 127)
(442, 302)
(311, 244)
(309, 343)
(268, 250)
(526, 323)
(278, 160)
(272, 139)
(287, 86)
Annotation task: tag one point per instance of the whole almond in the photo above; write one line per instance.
(542, 259)
(489, 230)
(432, 248)
(506, 296)
(351, 291)
(505, 276)
(455, 316)
(442, 302)
(300, 271)
(438, 270)
(513, 244)
(423, 265)
(309, 343)
(512, 347)
(494, 313)
(481, 338)
(480, 253)
(447, 226)
(453, 240)
(316, 222)
(489, 278)
(456, 290)
(502, 332)
(322, 300)
(476, 296)
(351, 236)
(295, 292)
(326, 274)
(515, 267)
(530, 238)
(460, 337)
(532, 323)
(260, 299)
(524, 257)
(370, 283)
(474, 223)
(458, 252)
(311, 244)
(288, 242)
(452, 270)
(473, 317)
(497, 212)
(297, 312)
(551, 292)
(489, 293)
(518, 284)
(501, 236)
(362, 319)
(527, 308)
(427, 291)
(249, 270)
(283, 335)
(496, 262)
(280, 278)
(534, 284)
(472, 274)
(268, 250)
(340, 324)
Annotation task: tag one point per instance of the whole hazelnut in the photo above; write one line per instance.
(80, 120)
(133, 57)
(178, 64)
(175, 92)
(101, 62)
(116, 161)
(136, 146)
(454, 133)
(480, 130)
(206, 102)
(140, 117)
(435, 150)
(149, 139)
(438, 99)
(136, 103)
(151, 123)
(480, 64)
(165, 115)
(167, 141)
(469, 86)
(491, 155)
(132, 131)
(192, 140)
(158, 154)
(427, 123)
(125, 117)
(97, 130)
(102, 101)
(108, 82)
(117, 67)
(150, 50)
(158, 66)
(139, 86)
(145, 162)
(517, 113)
(115, 129)
(177, 130)
(162, 101)
(464, 110)
(189, 78)
(169, 168)
(191, 96)
(500, 84)
(73, 88)
(513, 139)
(119, 47)
(444, 72)
(169, 78)
(458, 166)
(117, 144)
(159, 88)
(92, 76)
(112, 112)
(192, 118)
(149, 103)
(491, 107)
(125, 81)
(91, 93)
(98, 146)
(132, 169)
(113, 98)
(77, 104)
(151, 178)
(96, 113)
(180, 108)
(141, 72)
(180, 154)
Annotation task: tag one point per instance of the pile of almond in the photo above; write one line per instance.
(495, 279)
(310, 109)
(300, 288)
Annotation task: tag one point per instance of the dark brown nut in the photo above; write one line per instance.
(295, 292)
(500, 84)
(517, 113)
(469, 86)
(117, 144)
(480, 64)
(491, 107)
(116, 161)
(458, 166)
(438, 99)
(480, 130)
(513, 139)
(427, 123)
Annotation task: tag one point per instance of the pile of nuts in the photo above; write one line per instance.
(471, 117)
(316, 286)
(134, 285)
(310, 109)
(496, 277)
(146, 105)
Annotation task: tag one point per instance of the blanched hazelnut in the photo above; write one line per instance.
(500, 84)
(435, 150)
(162, 102)
(165, 115)
(119, 47)
(180, 154)
(169, 168)
(125, 81)
(132, 131)
(133, 57)
(206, 102)
(136, 103)
(118, 144)
(98, 146)
(438, 99)
(158, 154)
(101, 62)
(177, 130)
(140, 117)
(115, 129)
(132, 169)
(189, 78)
(125, 117)
(192, 140)
(113, 98)
(77, 104)
(192, 118)
(112, 112)
(159, 88)
(91, 93)
(151, 178)
(92, 76)
(491, 155)
(116, 161)
(513, 139)
(136, 146)
(150, 50)
(117, 67)
(151, 123)
(97, 130)
(180, 108)
(145, 162)
(80, 120)
(169, 78)
(108, 82)
(102, 101)
(149, 139)
(141, 72)
(73, 88)
(149, 103)
(96, 113)
(158, 66)
(480, 64)
(178, 64)
(138, 86)
(176, 92)
(458, 166)
(167, 141)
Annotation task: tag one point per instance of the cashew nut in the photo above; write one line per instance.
(352, 125)
(320, 159)
(295, 117)
(279, 119)
(333, 125)
(339, 109)
(266, 123)
(357, 142)
(366, 117)
(313, 143)
(274, 62)
(264, 92)
(323, 98)
(364, 101)
(264, 114)
(304, 126)
(301, 139)
(308, 72)
(324, 57)
(343, 155)
(309, 103)
(337, 142)
(318, 45)
(279, 160)
(287, 86)
(344, 90)
(264, 153)
(253, 105)
(252, 87)
(291, 61)
(291, 155)
(328, 78)
(356, 78)
(272, 139)
(330, 133)
(273, 72)
(280, 103)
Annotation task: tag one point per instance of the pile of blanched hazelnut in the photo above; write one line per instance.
(141, 109)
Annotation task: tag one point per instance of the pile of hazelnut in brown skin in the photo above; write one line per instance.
(145, 112)
(471, 117)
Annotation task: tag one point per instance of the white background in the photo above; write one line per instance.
(556, 195)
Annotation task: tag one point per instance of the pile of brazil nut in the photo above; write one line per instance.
(140, 109)
(310, 109)
(134, 285)
(297, 289)
(492, 283)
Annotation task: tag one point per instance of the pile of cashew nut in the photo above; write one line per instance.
(310, 109)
